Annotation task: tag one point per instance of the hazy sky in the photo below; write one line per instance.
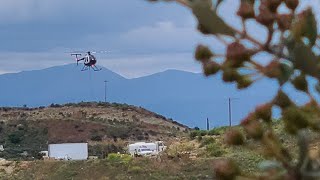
(143, 37)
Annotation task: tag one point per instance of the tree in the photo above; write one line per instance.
(292, 45)
(15, 137)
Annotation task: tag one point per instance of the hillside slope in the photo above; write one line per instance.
(185, 158)
(30, 130)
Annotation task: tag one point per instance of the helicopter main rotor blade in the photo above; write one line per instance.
(100, 52)
(92, 52)
(76, 54)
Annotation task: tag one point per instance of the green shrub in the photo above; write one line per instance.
(213, 132)
(234, 137)
(135, 169)
(217, 131)
(119, 158)
(193, 134)
(202, 133)
(214, 150)
(55, 105)
(196, 133)
(102, 151)
(96, 138)
(199, 138)
(15, 137)
(207, 140)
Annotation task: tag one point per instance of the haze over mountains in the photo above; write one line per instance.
(186, 97)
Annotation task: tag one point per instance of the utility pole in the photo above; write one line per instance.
(105, 91)
(230, 110)
(230, 120)
(208, 125)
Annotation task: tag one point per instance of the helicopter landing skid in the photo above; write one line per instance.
(94, 68)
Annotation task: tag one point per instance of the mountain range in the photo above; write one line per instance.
(189, 98)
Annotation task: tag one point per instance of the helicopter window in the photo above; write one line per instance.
(87, 60)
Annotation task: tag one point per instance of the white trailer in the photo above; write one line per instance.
(68, 151)
(146, 149)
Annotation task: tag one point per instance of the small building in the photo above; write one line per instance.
(68, 151)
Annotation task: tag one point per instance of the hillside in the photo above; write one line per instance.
(107, 127)
(186, 158)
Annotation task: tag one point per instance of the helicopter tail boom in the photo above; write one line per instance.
(77, 54)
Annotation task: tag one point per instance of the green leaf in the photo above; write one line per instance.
(208, 19)
(300, 83)
(305, 26)
(303, 57)
(305, 60)
(311, 30)
(287, 70)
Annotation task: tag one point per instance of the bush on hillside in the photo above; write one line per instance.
(102, 150)
(207, 140)
(119, 158)
(15, 137)
(197, 133)
(213, 150)
(193, 134)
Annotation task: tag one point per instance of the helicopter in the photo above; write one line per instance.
(90, 61)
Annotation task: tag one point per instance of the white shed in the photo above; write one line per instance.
(69, 151)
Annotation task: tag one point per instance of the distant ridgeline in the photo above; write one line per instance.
(187, 97)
